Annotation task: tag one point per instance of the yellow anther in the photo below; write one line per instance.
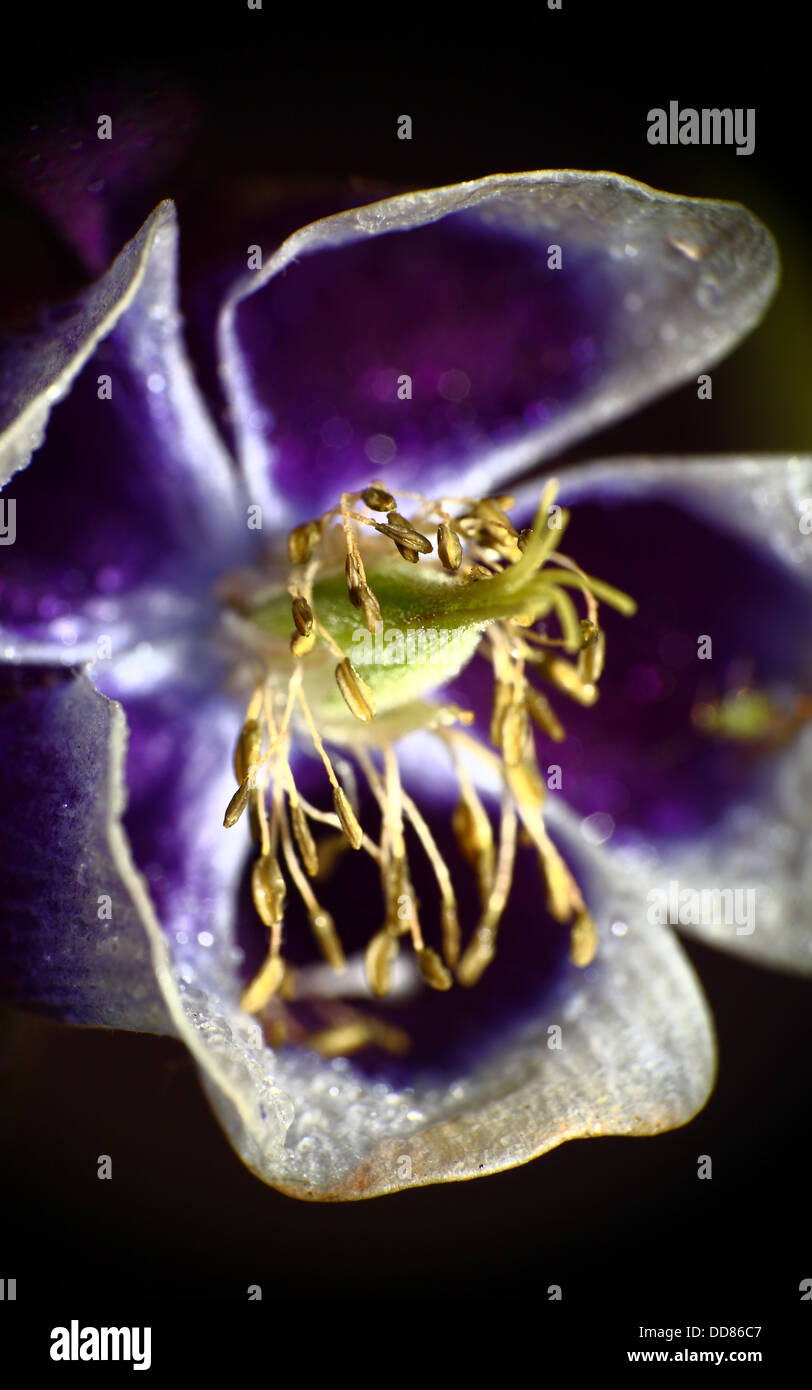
(432, 969)
(302, 541)
(268, 890)
(543, 714)
(378, 499)
(379, 958)
(591, 659)
(247, 749)
(237, 804)
(564, 676)
(302, 615)
(348, 818)
(304, 840)
(449, 548)
(503, 694)
(514, 732)
(355, 578)
(301, 643)
(477, 957)
(357, 695)
(371, 608)
(583, 940)
(398, 529)
(324, 930)
(490, 510)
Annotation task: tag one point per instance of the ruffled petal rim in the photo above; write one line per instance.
(132, 446)
(659, 287)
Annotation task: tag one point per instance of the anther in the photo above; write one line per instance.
(474, 835)
(379, 958)
(348, 818)
(449, 548)
(304, 840)
(301, 542)
(591, 659)
(326, 935)
(477, 957)
(355, 579)
(583, 940)
(489, 509)
(237, 804)
(502, 696)
(397, 528)
(543, 714)
(247, 749)
(562, 674)
(268, 890)
(378, 499)
(357, 695)
(302, 615)
(371, 608)
(301, 643)
(514, 732)
(432, 969)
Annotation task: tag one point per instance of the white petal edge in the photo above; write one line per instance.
(716, 268)
(141, 285)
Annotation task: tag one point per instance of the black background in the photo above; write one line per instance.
(621, 1224)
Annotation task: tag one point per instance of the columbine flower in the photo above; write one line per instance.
(469, 749)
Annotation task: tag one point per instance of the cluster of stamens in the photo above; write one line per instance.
(512, 570)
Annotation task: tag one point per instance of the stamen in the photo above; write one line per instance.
(268, 890)
(432, 969)
(357, 695)
(482, 949)
(379, 957)
(347, 817)
(302, 616)
(247, 749)
(449, 548)
(303, 642)
(355, 579)
(371, 608)
(237, 804)
(321, 921)
(512, 580)
(304, 839)
(543, 714)
(378, 499)
(302, 541)
(583, 940)
(565, 677)
(397, 528)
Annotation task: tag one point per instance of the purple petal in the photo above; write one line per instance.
(182, 731)
(509, 360)
(74, 943)
(131, 498)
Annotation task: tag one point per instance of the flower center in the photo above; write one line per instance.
(350, 654)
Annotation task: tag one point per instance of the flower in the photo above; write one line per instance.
(435, 344)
